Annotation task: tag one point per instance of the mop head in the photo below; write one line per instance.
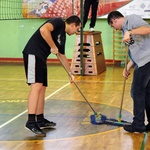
(99, 119)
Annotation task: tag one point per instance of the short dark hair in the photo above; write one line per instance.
(113, 15)
(73, 19)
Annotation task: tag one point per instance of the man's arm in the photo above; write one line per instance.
(143, 30)
(45, 31)
(126, 71)
(66, 66)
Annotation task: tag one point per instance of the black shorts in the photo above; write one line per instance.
(35, 69)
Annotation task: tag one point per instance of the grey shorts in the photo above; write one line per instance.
(35, 69)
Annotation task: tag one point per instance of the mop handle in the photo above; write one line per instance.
(126, 59)
(76, 84)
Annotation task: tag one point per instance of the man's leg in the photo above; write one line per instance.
(33, 98)
(41, 101)
(32, 108)
(94, 14)
(147, 106)
(138, 93)
(32, 65)
(42, 122)
(87, 5)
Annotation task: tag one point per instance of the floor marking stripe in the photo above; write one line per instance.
(144, 141)
(9, 121)
(87, 81)
(74, 137)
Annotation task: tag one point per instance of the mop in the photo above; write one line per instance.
(111, 121)
(126, 59)
(96, 118)
(124, 83)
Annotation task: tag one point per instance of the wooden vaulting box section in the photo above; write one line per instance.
(93, 55)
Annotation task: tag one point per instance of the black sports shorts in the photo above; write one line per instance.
(35, 69)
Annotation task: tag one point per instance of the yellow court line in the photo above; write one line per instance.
(68, 138)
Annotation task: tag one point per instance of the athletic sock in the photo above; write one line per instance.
(40, 117)
(31, 118)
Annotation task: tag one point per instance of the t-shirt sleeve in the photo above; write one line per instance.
(59, 29)
(56, 22)
(137, 21)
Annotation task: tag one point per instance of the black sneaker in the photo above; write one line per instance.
(46, 124)
(147, 127)
(130, 128)
(35, 129)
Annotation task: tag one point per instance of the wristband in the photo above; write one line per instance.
(130, 32)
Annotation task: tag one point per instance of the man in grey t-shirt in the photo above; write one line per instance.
(135, 29)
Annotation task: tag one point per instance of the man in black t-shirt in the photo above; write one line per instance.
(49, 38)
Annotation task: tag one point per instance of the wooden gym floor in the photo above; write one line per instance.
(65, 106)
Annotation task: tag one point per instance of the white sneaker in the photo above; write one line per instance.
(80, 30)
(92, 30)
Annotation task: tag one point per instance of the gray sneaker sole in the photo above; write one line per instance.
(39, 135)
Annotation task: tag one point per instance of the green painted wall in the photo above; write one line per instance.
(14, 34)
